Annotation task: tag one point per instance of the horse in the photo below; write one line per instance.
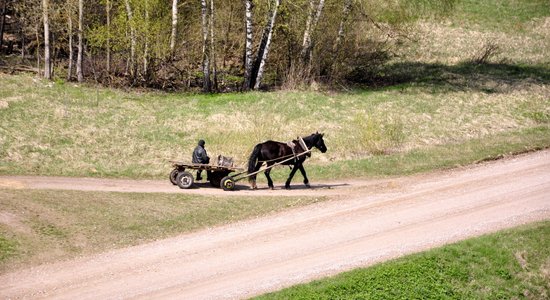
(272, 152)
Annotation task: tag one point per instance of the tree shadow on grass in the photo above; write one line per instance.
(466, 76)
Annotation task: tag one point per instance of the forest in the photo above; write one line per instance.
(209, 45)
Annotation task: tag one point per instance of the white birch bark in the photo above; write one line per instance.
(108, 14)
(71, 52)
(22, 39)
(212, 48)
(146, 42)
(248, 45)
(205, 47)
(132, 61)
(345, 14)
(47, 58)
(174, 26)
(269, 30)
(79, 74)
(3, 22)
(37, 34)
(311, 24)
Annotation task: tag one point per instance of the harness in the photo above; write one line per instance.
(295, 150)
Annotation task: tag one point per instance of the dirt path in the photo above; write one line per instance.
(378, 221)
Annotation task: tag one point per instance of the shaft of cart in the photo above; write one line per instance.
(228, 182)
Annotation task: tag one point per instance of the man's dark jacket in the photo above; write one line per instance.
(199, 154)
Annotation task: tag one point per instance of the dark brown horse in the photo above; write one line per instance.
(272, 152)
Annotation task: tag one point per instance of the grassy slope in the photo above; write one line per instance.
(43, 226)
(510, 264)
(62, 130)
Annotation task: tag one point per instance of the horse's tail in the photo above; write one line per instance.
(252, 161)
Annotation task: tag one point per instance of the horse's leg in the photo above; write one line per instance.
(303, 171)
(269, 181)
(294, 169)
(253, 177)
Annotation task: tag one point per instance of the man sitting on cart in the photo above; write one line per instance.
(200, 157)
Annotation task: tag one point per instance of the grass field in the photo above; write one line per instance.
(61, 129)
(442, 96)
(39, 226)
(481, 74)
(512, 264)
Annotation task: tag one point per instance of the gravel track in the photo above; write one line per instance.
(366, 222)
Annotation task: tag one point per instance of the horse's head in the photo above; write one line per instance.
(317, 141)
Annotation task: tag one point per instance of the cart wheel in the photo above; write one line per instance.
(174, 176)
(184, 180)
(228, 184)
(216, 178)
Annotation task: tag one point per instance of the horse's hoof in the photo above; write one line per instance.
(287, 187)
(271, 188)
(308, 186)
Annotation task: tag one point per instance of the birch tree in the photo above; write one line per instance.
(79, 74)
(340, 35)
(132, 59)
(207, 87)
(69, 11)
(345, 14)
(312, 20)
(174, 26)
(264, 46)
(248, 45)
(3, 22)
(108, 41)
(213, 48)
(146, 40)
(47, 58)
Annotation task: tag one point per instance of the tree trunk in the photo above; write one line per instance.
(47, 58)
(132, 60)
(248, 45)
(108, 14)
(339, 37)
(37, 52)
(71, 52)
(2, 23)
(174, 26)
(311, 24)
(264, 47)
(79, 73)
(22, 34)
(146, 42)
(227, 31)
(345, 14)
(213, 49)
(207, 87)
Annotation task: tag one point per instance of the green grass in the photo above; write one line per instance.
(511, 264)
(8, 248)
(44, 226)
(501, 15)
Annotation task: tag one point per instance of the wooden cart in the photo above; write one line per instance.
(182, 177)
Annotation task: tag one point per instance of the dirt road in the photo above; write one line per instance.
(367, 222)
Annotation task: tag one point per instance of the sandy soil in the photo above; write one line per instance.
(366, 222)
